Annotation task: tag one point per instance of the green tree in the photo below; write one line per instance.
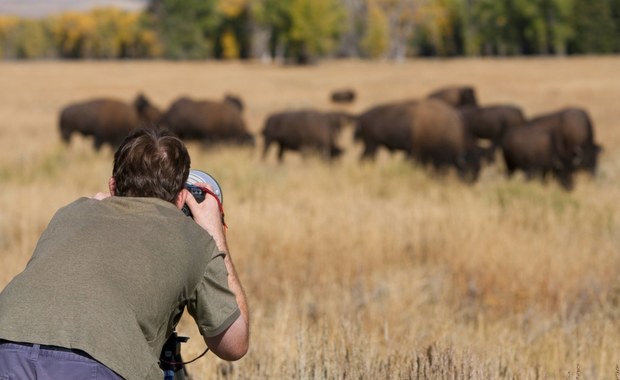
(187, 28)
(557, 15)
(233, 34)
(593, 24)
(301, 29)
(315, 27)
(439, 28)
(275, 15)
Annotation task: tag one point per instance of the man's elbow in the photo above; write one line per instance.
(232, 344)
(235, 353)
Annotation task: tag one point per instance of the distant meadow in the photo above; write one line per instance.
(353, 270)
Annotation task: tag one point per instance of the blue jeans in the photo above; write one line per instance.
(23, 362)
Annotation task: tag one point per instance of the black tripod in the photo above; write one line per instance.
(170, 360)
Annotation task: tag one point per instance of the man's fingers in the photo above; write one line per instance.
(189, 198)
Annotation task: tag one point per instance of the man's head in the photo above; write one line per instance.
(150, 163)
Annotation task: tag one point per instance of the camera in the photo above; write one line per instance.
(199, 193)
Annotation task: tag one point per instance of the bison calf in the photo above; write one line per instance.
(343, 96)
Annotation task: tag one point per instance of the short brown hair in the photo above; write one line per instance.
(151, 163)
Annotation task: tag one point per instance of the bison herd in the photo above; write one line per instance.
(446, 129)
(108, 121)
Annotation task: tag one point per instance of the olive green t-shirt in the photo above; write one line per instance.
(113, 277)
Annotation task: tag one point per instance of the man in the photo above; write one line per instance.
(111, 275)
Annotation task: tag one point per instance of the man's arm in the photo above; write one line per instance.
(233, 343)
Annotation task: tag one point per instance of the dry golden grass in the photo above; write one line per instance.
(369, 271)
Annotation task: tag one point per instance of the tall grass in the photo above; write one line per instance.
(374, 270)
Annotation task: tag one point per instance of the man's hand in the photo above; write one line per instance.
(208, 216)
(233, 343)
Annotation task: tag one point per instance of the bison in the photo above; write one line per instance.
(536, 151)
(456, 96)
(107, 120)
(304, 129)
(575, 132)
(385, 125)
(490, 122)
(207, 121)
(343, 96)
(439, 139)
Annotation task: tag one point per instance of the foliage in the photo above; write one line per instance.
(185, 27)
(31, 41)
(594, 27)
(439, 27)
(300, 29)
(376, 39)
(304, 30)
(233, 34)
(100, 33)
(315, 25)
(8, 27)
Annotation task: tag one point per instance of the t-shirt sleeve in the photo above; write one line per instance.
(213, 305)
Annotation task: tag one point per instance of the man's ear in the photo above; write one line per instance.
(181, 199)
(112, 186)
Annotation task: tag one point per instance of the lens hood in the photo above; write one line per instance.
(198, 176)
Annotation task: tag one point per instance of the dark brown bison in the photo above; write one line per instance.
(439, 139)
(108, 121)
(343, 96)
(489, 123)
(302, 130)
(235, 101)
(456, 96)
(536, 151)
(386, 125)
(207, 121)
(575, 132)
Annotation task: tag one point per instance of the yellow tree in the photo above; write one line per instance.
(71, 32)
(315, 24)
(31, 39)
(377, 32)
(437, 20)
(8, 28)
(230, 32)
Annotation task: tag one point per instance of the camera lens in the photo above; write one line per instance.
(198, 176)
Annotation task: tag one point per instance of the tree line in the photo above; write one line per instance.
(304, 30)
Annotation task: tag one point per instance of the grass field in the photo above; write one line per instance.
(363, 271)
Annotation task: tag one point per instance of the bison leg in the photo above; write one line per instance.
(266, 148)
(281, 153)
(335, 152)
(566, 180)
(370, 150)
(65, 135)
(97, 143)
(510, 166)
